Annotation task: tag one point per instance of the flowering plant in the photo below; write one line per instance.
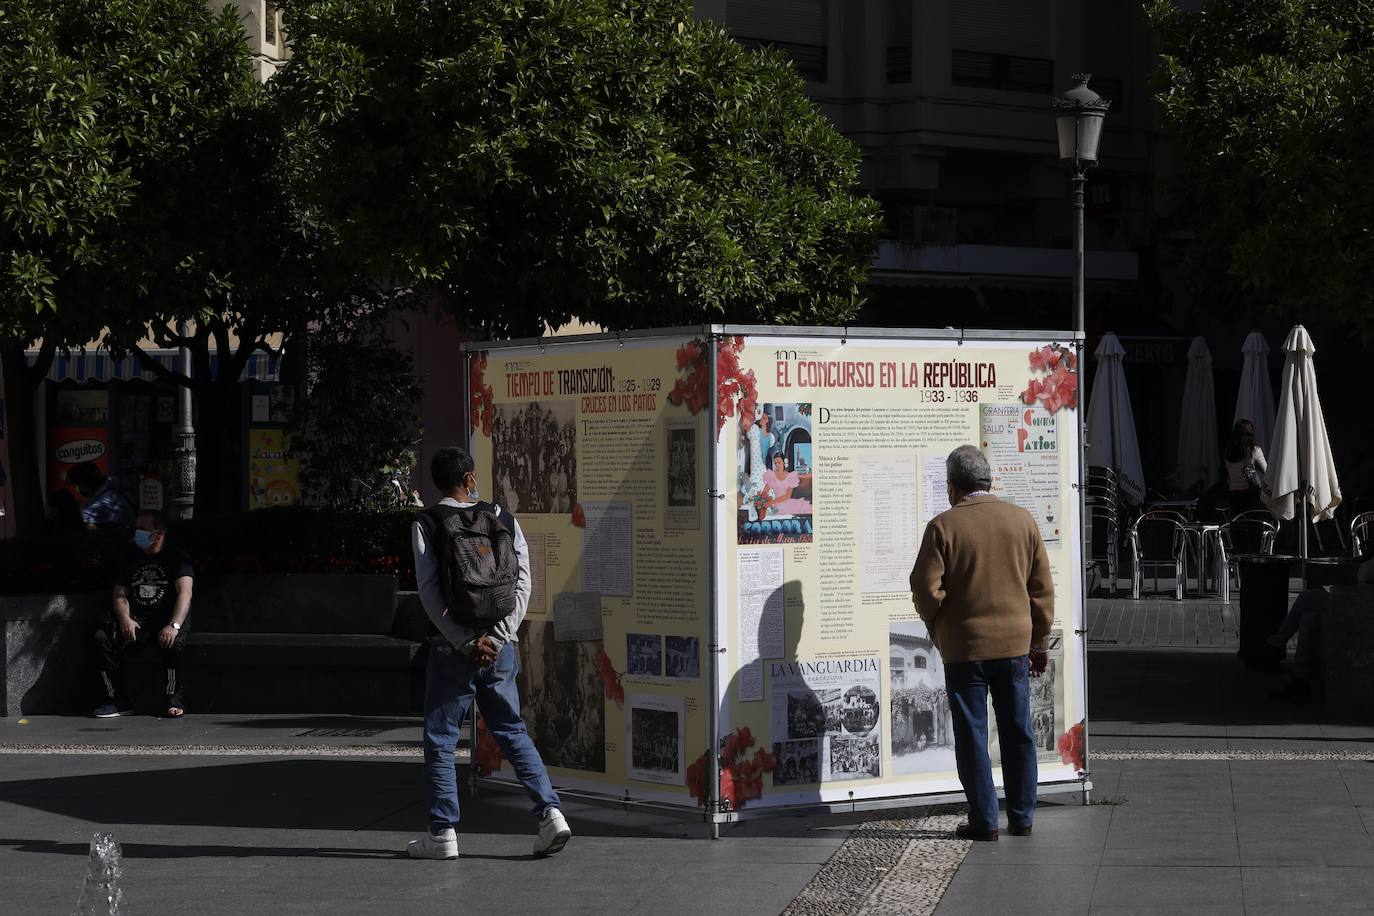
(760, 501)
(1059, 388)
(733, 384)
(1071, 749)
(741, 774)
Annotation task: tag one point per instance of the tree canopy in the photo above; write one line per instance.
(90, 92)
(1268, 102)
(531, 160)
(94, 95)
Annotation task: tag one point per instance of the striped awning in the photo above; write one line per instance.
(99, 365)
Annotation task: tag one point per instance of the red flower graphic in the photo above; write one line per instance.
(1060, 387)
(481, 403)
(579, 516)
(487, 756)
(1071, 750)
(733, 386)
(741, 774)
(610, 679)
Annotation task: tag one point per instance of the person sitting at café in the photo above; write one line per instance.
(1304, 620)
(151, 604)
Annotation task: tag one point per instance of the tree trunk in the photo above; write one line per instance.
(21, 387)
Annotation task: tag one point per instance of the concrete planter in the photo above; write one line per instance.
(47, 651)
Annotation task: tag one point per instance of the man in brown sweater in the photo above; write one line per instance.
(982, 585)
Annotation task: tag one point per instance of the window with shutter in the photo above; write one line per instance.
(797, 28)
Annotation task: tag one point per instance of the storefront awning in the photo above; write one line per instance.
(100, 366)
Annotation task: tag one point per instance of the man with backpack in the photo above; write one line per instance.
(473, 572)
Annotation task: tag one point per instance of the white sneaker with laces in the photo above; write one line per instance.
(443, 845)
(554, 833)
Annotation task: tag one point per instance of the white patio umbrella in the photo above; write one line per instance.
(1199, 455)
(1112, 441)
(1301, 462)
(1255, 400)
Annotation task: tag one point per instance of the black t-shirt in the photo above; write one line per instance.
(151, 581)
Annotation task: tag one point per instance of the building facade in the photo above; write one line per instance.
(948, 100)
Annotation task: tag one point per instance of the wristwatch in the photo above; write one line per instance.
(176, 626)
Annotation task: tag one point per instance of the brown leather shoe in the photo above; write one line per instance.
(965, 832)
(1019, 829)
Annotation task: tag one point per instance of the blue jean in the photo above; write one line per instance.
(1008, 681)
(1304, 620)
(452, 681)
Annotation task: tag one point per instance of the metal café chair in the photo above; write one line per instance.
(1361, 535)
(1103, 515)
(1255, 531)
(1147, 538)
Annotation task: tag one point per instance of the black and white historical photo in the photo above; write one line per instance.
(682, 657)
(855, 758)
(859, 711)
(1047, 699)
(564, 703)
(683, 485)
(655, 740)
(798, 762)
(534, 457)
(644, 654)
(655, 725)
(807, 712)
(922, 729)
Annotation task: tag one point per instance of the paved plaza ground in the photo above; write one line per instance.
(1208, 798)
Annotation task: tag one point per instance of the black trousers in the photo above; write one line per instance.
(112, 649)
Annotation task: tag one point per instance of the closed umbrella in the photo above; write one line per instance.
(1112, 441)
(1301, 463)
(1199, 458)
(1255, 401)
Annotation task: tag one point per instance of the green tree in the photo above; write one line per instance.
(1267, 102)
(91, 92)
(356, 430)
(215, 243)
(531, 160)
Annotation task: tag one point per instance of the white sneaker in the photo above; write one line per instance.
(443, 845)
(554, 833)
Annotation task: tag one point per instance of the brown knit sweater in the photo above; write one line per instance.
(982, 581)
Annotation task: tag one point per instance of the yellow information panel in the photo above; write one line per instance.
(584, 444)
(765, 493)
(833, 464)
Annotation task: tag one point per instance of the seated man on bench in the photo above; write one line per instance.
(152, 600)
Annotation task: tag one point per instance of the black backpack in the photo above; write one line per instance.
(478, 567)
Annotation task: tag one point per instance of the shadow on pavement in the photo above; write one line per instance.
(352, 723)
(331, 794)
(1209, 688)
(166, 851)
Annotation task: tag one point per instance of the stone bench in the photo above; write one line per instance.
(1347, 653)
(310, 642)
(304, 643)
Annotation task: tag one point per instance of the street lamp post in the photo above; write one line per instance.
(1079, 120)
(1079, 114)
(184, 501)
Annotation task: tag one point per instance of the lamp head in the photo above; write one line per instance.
(1080, 113)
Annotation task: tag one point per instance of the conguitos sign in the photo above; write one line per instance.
(79, 451)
